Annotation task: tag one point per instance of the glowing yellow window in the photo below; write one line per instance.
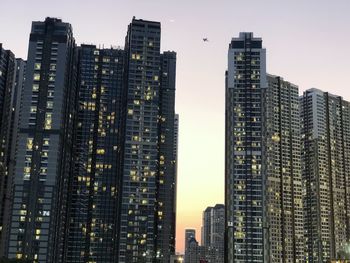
(100, 151)
(37, 77)
(29, 143)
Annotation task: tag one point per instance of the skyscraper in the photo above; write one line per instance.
(213, 232)
(189, 234)
(325, 165)
(7, 85)
(89, 149)
(206, 222)
(283, 213)
(217, 230)
(44, 144)
(264, 210)
(93, 202)
(245, 79)
(167, 168)
(147, 219)
(10, 133)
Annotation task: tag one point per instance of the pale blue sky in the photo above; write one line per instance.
(307, 43)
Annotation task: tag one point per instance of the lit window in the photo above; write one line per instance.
(33, 109)
(100, 151)
(29, 143)
(37, 77)
(48, 121)
(37, 66)
(49, 104)
(35, 87)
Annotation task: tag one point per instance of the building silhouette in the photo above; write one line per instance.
(7, 89)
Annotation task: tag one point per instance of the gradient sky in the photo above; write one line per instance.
(307, 42)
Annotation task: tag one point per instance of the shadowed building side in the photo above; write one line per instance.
(44, 144)
(7, 88)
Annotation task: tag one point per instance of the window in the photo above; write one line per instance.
(35, 87)
(37, 77)
(50, 104)
(48, 121)
(37, 66)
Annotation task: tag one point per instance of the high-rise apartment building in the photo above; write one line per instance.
(44, 144)
(264, 210)
(7, 85)
(189, 234)
(167, 162)
(217, 230)
(281, 169)
(245, 79)
(205, 230)
(325, 164)
(10, 139)
(148, 172)
(9, 135)
(89, 150)
(213, 232)
(93, 196)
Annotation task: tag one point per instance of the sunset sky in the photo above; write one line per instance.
(307, 42)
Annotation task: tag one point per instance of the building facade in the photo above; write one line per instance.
(148, 172)
(92, 149)
(7, 86)
(206, 223)
(43, 145)
(213, 232)
(283, 212)
(245, 79)
(325, 165)
(93, 195)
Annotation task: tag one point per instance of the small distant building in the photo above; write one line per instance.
(213, 230)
